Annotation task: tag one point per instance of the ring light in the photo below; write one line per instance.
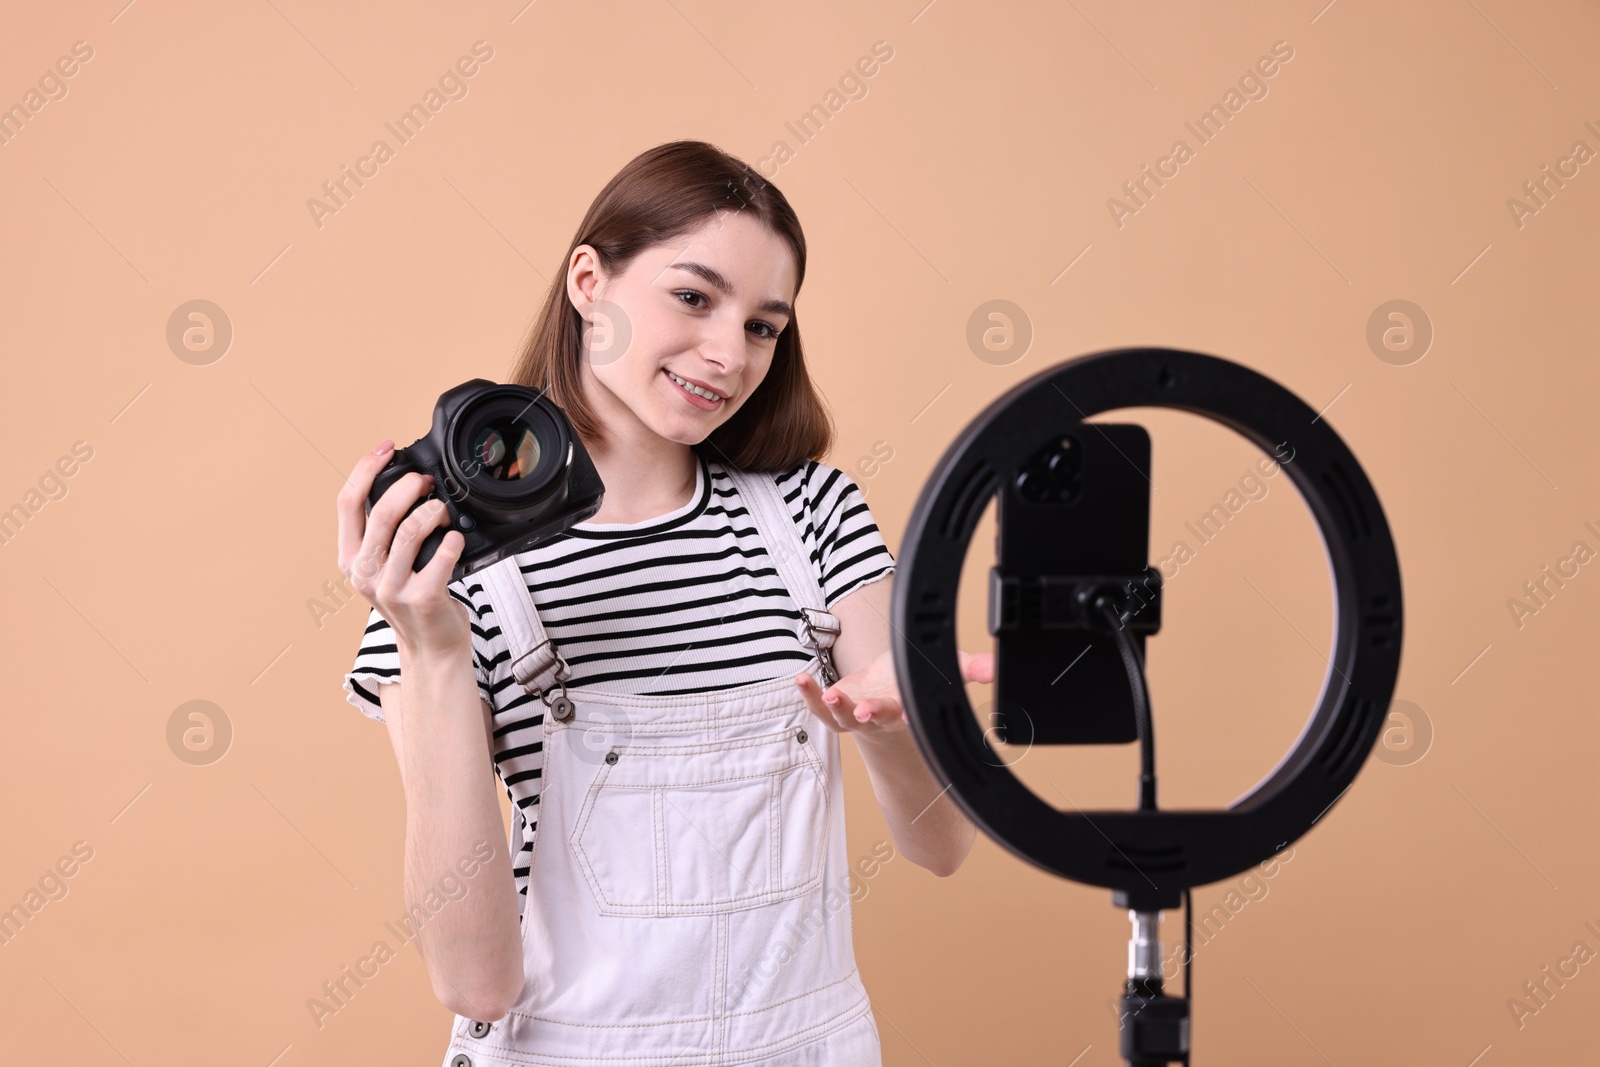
(1150, 857)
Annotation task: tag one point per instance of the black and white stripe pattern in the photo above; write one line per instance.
(687, 602)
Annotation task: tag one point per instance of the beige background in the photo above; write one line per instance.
(977, 166)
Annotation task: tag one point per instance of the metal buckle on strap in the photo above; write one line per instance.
(561, 707)
(534, 654)
(824, 651)
(562, 673)
(822, 625)
(830, 674)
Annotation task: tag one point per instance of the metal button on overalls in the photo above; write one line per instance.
(688, 896)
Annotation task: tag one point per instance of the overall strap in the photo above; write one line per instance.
(762, 498)
(535, 663)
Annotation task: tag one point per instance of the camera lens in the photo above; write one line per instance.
(506, 449)
(506, 452)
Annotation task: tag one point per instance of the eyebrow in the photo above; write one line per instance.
(717, 281)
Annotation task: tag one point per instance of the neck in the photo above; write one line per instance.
(642, 483)
(645, 474)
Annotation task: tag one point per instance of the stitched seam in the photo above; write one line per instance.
(775, 833)
(669, 726)
(658, 817)
(730, 695)
(575, 842)
(690, 1018)
(714, 781)
(719, 1037)
(704, 747)
(844, 1018)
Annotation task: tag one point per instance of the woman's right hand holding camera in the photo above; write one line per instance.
(473, 950)
(377, 551)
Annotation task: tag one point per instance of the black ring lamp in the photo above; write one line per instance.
(1149, 858)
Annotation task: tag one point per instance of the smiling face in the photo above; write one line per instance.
(702, 313)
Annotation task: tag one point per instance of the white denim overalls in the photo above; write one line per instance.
(688, 900)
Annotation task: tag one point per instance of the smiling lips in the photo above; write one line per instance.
(701, 397)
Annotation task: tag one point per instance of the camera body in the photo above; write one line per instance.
(508, 467)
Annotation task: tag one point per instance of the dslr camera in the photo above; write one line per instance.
(507, 465)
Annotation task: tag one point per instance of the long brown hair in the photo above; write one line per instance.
(663, 193)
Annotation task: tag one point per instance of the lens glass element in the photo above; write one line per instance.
(506, 449)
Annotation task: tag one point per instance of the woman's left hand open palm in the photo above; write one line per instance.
(868, 701)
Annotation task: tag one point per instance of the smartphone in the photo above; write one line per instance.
(1079, 505)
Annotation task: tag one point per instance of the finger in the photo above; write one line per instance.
(868, 713)
(812, 694)
(880, 713)
(842, 704)
(385, 519)
(436, 573)
(884, 711)
(352, 515)
(977, 666)
(407, 543)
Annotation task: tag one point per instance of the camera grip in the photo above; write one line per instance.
(398, 467)
(430, 545)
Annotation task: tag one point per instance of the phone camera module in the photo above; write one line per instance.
(1054, 473)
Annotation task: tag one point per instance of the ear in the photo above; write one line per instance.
(585, 278)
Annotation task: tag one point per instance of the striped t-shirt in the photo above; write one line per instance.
(686, 602)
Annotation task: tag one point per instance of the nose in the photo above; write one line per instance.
(726, 348)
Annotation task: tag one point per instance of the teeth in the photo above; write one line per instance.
(695, 389)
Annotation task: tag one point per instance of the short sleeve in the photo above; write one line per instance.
(378, 660)
(843, 535)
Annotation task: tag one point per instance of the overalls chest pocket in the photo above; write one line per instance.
(697, 829)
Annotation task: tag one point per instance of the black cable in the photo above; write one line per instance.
(1147, 773)
(1141, 701)
(1188, 960)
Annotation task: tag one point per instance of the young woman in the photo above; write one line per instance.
(677, 889)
